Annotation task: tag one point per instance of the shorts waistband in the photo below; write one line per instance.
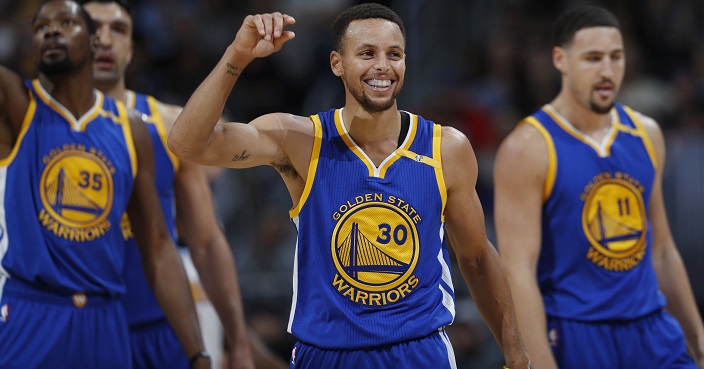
(22, 290)
(149, 325)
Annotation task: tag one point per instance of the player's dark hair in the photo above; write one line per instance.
(124, 4)
(90, 24)
(360, 12)
(575, 19)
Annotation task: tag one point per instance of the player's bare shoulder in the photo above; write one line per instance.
(459, 162)
(524, 153)
(294, 135)
(455, 146)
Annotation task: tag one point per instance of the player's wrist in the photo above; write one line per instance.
(236, 56)
(197, 357)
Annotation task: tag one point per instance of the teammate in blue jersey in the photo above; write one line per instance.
(374, 189)
(74, 161)
(185, 201)
(581, 220)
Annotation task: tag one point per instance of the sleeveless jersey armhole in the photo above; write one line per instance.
(437, 157)
(312, 166)
(124, 121)
(161, 129)
(552, 156)
(644, 136)
(26, 122)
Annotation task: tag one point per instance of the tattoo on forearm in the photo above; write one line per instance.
(241, 157)
(233, 70)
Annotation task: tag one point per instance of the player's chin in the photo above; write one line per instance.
(602, 107)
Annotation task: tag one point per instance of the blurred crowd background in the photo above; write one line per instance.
(478, 65)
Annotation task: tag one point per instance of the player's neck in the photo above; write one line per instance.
(370, 128)
(581, 117)
(70, 90)
(115, 90)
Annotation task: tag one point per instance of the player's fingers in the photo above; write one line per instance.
(256, 22)
(285, 37)
(278, 23)
(268, 26)
(289, 19)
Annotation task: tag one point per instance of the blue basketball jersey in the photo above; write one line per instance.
(371, 267)
(595, 261)
(141, 306)
(63, 190)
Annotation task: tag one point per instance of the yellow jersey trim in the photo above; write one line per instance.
(403, 149)
(552, 156)
(26, 122)
(78, 125)
(602, 149)
(420, 158)
(643, 134)
(615, 128)
(351, 144)
(124, 121)
(130, 99)
(161, 130)
(312, 166)
(437, 158)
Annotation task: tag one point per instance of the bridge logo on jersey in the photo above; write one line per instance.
(77, 191)
(375, 250)
(614, 221)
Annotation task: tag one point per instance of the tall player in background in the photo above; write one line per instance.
(372, 198)
(581, 219)
(73, 163)
(187, 205)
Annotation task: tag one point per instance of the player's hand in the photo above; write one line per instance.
(263, 34)
(239, 359)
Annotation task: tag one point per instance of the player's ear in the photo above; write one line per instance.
(336, 63)
(130, 53)
(558, 59)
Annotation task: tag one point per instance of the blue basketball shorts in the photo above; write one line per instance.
(155, 345)
(433, 351)
(655, 341)
(39, 329)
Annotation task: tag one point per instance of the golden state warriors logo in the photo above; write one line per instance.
(375, 249)
(77, 191)
(615, 222)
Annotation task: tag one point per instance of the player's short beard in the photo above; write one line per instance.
(372, 106)
(59, 67)
(600, 109)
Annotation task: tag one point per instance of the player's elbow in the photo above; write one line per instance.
(181, 147)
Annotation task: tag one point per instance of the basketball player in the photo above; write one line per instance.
(186, 202)
(73, 162)
(372, 198)
(581, 219)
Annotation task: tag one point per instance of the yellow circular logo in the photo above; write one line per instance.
(375, 246)
(613, 218)
(77, 189)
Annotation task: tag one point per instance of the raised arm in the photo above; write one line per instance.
(197, 137)
(669, 268)
(160, 259)
(479, 262)
(14, 101)
(519, 177)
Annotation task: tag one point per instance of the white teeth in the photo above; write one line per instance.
(379, 83)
